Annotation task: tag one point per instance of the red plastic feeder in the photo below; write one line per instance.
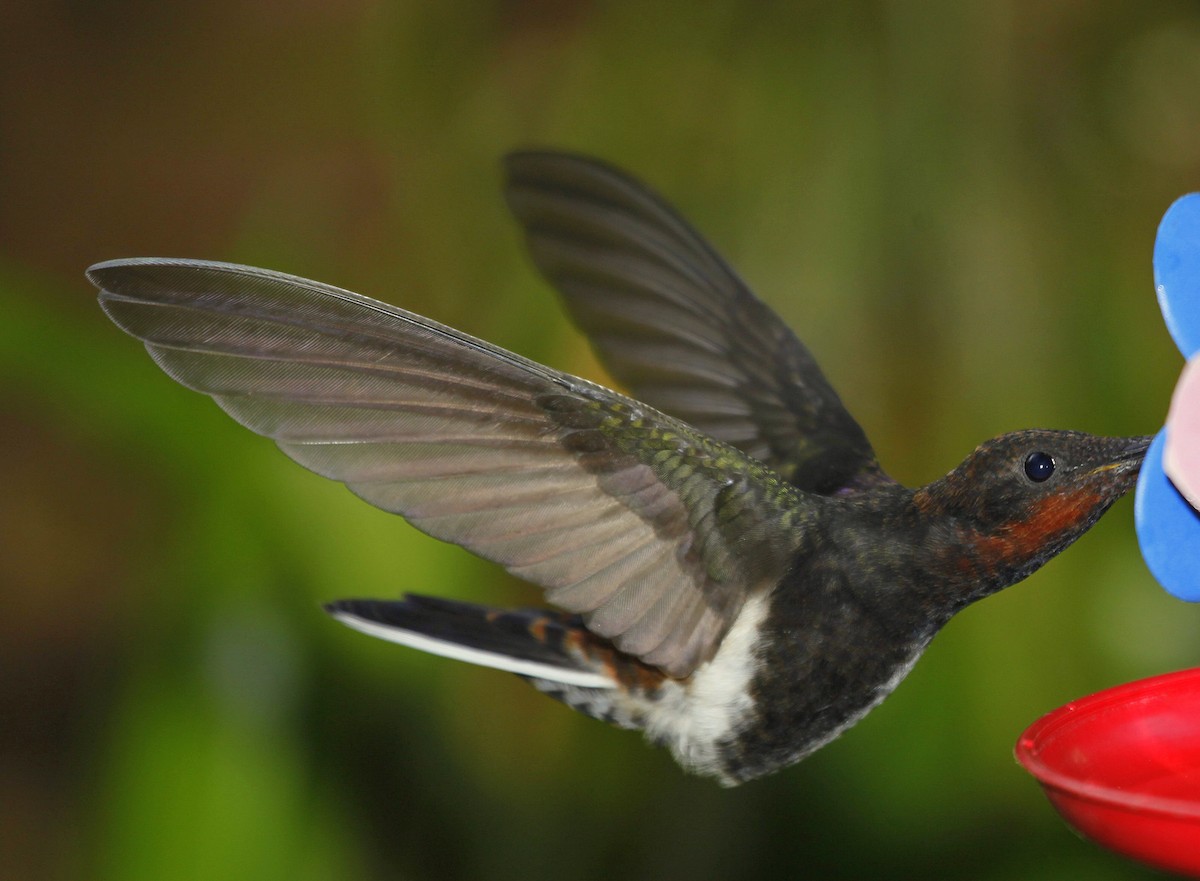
(1122, 766)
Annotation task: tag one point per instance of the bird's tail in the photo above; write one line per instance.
(534, 643)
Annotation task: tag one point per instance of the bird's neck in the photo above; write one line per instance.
(918, 563)
(967, 562)
(901, 561)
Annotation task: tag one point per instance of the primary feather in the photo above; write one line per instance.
(653, 531)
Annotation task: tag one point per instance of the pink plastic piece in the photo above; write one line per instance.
(1181, 455)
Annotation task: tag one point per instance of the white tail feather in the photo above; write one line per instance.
(448, 649)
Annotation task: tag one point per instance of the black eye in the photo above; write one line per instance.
(1039, 466)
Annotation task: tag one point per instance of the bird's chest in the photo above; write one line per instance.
(823, 659)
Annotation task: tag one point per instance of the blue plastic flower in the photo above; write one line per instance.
(1168, 526)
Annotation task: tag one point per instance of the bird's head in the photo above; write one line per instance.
(1023, 497)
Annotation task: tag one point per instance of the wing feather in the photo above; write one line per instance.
(654, 532)
(673, 322)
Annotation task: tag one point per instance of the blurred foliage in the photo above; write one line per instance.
(953, 203)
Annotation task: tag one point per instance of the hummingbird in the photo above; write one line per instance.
(731, 570)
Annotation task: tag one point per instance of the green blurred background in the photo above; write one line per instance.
(954, 204)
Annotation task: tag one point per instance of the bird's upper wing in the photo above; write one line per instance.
(673, 322)
(651, 530)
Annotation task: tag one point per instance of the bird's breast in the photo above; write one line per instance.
(825, 655)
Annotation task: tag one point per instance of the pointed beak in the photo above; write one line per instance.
(1126, 457)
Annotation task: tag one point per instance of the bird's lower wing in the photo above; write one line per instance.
(653, 532)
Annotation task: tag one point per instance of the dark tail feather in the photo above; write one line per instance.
(530, 642)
